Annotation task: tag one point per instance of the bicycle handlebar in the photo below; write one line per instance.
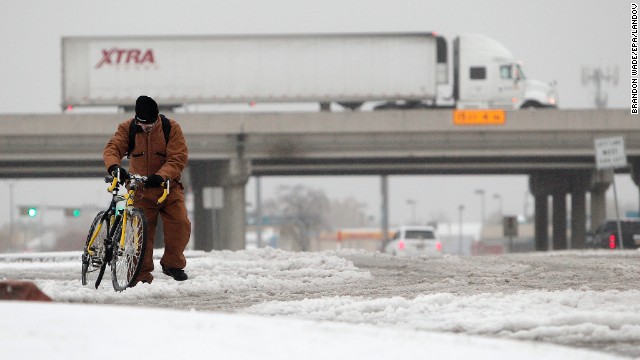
(114, 180)
(165, 192)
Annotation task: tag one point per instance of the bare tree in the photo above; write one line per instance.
(347, 213)
(304, 211)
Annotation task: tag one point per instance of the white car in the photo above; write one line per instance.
(414, 241)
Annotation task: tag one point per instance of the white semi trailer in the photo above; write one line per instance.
(396, 70)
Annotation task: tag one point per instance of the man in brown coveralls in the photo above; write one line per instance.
(160, 159)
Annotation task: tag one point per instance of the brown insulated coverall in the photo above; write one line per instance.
(152, 155)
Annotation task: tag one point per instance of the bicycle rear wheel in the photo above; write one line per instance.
(127, 261)
(93, 263)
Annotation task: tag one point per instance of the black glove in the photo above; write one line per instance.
(154, 181)
(124, 175)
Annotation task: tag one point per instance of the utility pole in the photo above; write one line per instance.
(597, 76)
(12, 211)
(384, 208)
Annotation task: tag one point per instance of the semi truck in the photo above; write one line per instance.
(390, 70)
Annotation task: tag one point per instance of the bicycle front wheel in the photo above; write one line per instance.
(93, 255)
(127, 259)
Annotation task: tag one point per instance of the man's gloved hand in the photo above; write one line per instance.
(154, 181)
(124, 175)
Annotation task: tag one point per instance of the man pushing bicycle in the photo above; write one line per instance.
(157, 149)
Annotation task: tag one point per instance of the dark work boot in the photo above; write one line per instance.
(176, 274)
(145, 277)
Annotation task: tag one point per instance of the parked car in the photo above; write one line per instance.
(414, 241)
(606, 236)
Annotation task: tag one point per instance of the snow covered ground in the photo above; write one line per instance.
(272, 304)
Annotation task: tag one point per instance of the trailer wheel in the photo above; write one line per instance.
(353, 106)
(389, 105)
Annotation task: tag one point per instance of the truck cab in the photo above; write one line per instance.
(486, 75)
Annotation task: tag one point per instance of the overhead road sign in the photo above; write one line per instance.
(610, 153)
(479, 117)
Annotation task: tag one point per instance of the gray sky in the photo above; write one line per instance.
(554, 39)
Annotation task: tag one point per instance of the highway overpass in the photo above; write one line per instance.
(554, 147)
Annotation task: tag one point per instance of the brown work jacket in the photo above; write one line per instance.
(151, 155)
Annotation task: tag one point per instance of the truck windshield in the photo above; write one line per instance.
(519, 72)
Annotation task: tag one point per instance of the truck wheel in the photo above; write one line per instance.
(531, 105)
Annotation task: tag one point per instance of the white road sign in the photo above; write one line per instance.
(610, 153)
(212, 197)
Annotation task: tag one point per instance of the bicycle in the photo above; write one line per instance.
(109, 242)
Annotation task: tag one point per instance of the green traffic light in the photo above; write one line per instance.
(72, 212)
(32, 212)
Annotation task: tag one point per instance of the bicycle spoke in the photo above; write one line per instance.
(127, 260)
(107, 243)
(93, 256)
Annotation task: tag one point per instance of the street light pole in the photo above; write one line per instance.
(461, 238)
(499, 198)
(526, 206)
(481, 193)
(258, 213)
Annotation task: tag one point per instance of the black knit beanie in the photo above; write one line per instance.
(146, 110)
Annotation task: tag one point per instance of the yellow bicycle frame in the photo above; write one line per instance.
(129, 197)
(93, 238)
(113, 185)
(95, 234)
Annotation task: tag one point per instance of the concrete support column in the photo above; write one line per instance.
(598, 207)
(581, 181)
(232, 224)
(541, 185)
(222, 224)
(201, 176)
(541, 218)
(599, 184)
(578, 219)
(635, 176)
(219, 228)
(558, 184)
(559, 217)
(550, 183)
